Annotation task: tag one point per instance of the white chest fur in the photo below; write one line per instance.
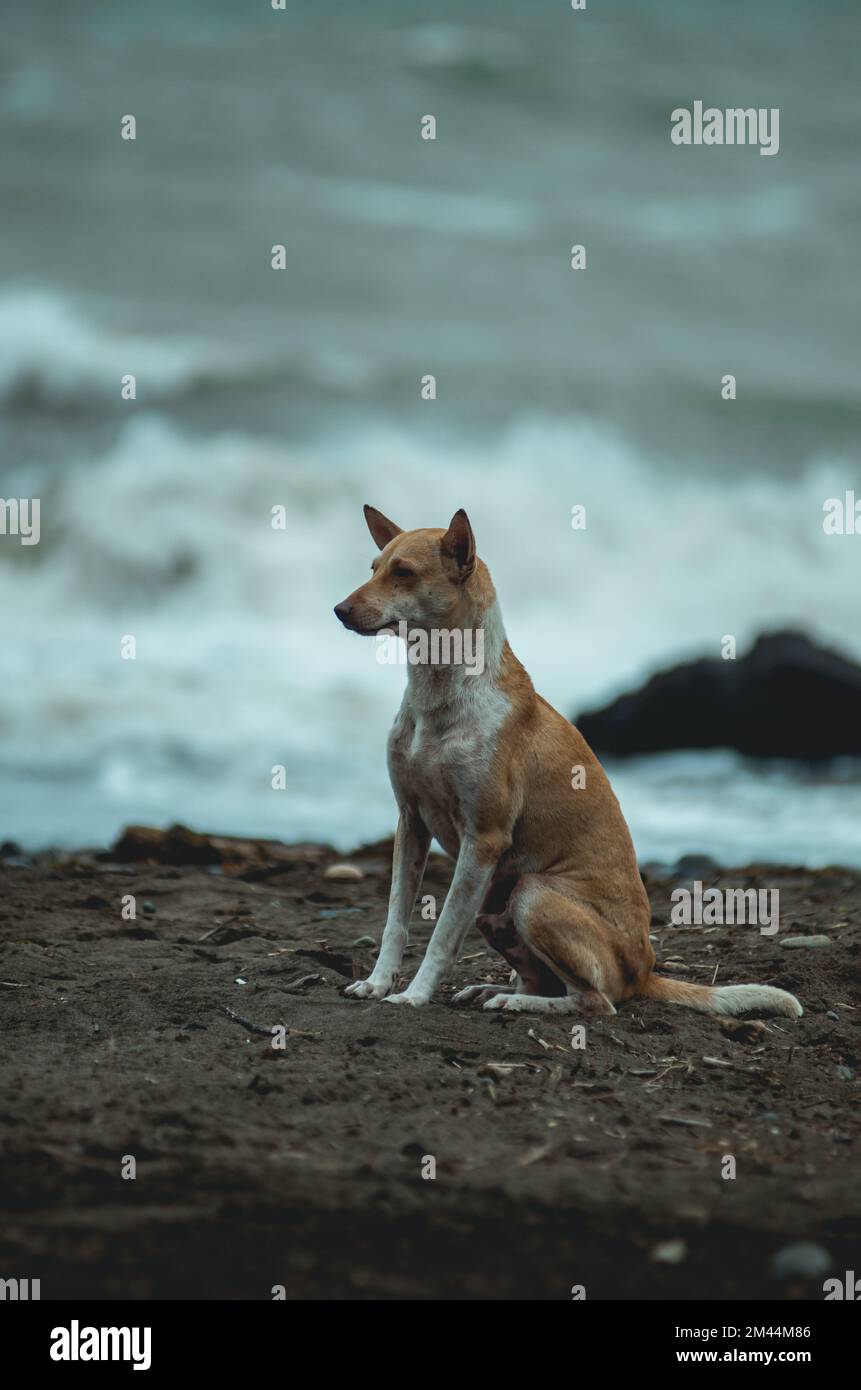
(444, 741)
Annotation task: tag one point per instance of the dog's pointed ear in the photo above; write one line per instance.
(380, 527)
(459, 543)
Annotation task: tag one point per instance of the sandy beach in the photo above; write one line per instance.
(302, 1167)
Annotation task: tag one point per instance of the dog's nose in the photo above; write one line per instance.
(343, 611)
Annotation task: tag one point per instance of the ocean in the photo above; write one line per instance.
(258, 389)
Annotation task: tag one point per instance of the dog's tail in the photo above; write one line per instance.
(723, 999)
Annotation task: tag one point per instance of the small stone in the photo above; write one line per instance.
(149, 908)
(845, 1073)
(696, 864)
(344, 872)
(13, 856)
(488, 1087)
(795, 942)
(803, 1260)
(364, 941)
(669, 1252)
(498, 1070)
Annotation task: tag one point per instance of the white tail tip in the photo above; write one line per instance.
(745, 999)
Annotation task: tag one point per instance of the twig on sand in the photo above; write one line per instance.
(251, 1027)
(301, 982)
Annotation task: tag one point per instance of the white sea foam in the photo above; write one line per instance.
(241, 664)
(48, 346)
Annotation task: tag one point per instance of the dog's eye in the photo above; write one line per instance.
(401, 572)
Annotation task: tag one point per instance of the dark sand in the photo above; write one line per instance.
(303, 1167)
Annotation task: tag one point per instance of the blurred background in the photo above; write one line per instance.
(301, 388)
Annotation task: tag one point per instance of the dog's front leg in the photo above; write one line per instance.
(412, 842)
(472, 877)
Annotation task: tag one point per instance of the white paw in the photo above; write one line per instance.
(418, 1001)
(503, 1001)
(368, 989)
(474, 994)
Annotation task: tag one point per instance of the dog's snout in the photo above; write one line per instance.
(343, 611)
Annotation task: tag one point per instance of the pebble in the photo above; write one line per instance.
(803, 1260)
(344, 872)
(845, 1073)
(497, 1070)
(696, 864)
(669, 1252)
(793, 942)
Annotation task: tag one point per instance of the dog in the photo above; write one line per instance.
(544, 862)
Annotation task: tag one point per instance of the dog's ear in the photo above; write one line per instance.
(380, 527)
(459, 543)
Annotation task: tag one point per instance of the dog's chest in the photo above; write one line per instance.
(441, 761)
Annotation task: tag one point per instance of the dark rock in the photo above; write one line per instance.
(787, 698)
(697, 864)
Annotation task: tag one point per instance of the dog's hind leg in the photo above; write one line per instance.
(570, 943)
(478, 994)
(499, 933)
(572, 1003)
(532, 975)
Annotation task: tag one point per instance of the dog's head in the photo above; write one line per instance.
(418, 577)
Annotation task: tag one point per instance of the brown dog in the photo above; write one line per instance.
(544, 861)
